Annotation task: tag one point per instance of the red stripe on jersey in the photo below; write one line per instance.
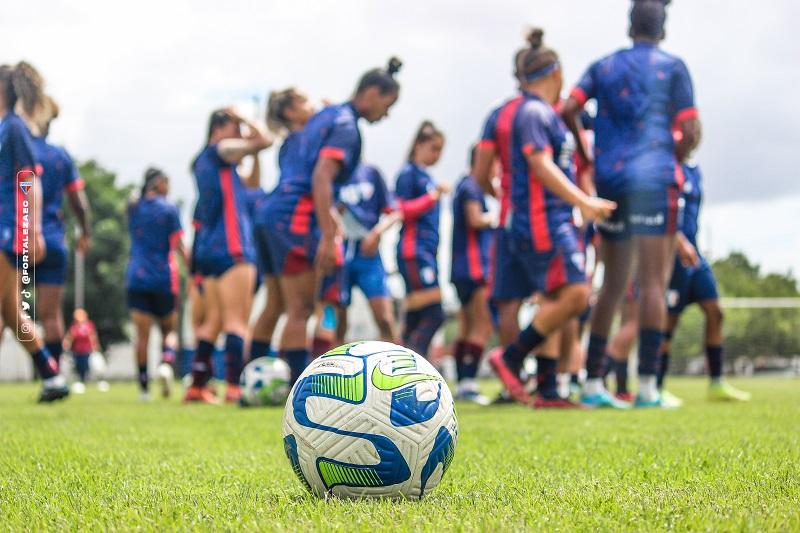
(556, 274)
(229, 217)
(486, 143)
(76, 185)
(301, 216)
(174, 278)
(408, 247)
(503, 134)
(331, 152)
(686, 114)
(578, 94)
(413, 274)
(474, 256)
(175, 237)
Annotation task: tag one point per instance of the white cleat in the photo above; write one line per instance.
(166, 379)
(78, 388)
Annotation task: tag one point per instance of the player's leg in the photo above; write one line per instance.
(207, 329)
(370, 276)
(49, 299)
(477, 328)
(142, 324)
(264, 327)
(298, 292)
(236, 299)
(619, 348)
(424, 313)
(719, 389)
(168, 324)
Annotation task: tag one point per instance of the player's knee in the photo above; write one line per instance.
(577, 297)
(714, 313)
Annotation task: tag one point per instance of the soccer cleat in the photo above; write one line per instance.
(643, 403)
(540, 402)
(232, 393)
(603, 400)
(55, 388)
(103, 385)
(166, 378)
(472, 396)
(78, 388)
(144, 396)
(670, 401)
(511, 381)
(722, 391)
(626, 397)
(196, 394)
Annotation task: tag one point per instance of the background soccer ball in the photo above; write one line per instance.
(370, 419)
(264, 381)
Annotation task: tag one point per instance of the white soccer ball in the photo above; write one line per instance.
(264, 381)
(370, 419)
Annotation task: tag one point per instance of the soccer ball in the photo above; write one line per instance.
(370, 420)
(264, 381)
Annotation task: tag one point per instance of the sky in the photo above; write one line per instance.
(136, 82)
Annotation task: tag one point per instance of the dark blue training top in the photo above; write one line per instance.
(364, 197)
(154, 226)
(59, 174)
(417, 235)
(471, 247)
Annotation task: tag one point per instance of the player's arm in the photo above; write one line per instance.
(571, 113)
(689, 138)
(252, 179)
(687, 253)
(482, 169)
(475, 217)
(257, 139)
(325, 171)
(79, 204)
(416, 207)
(370, 242)
(687, 119)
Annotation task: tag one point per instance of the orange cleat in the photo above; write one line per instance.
(558, 403)
(625, 396)
(196, 394)
(233, 393)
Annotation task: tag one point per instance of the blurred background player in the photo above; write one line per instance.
(418, 245)
(152, 279)
(224, 253)
(469, 273)
(22, 85)
(287, 113)
(539, 251)
(304, 230)
(81, 341)
(641, 93)
(368, 209)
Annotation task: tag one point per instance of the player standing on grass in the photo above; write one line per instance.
(304, 230)
(641, 93)
(152, 279)
(539, 250)
(81, 340)
(18, 169)
(418, 245)
(469, 273)
(224, 253)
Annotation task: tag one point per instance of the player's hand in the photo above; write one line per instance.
(84, 243)
(369, 244)
(444, 187)
(593, 208)
(687, 253)
(326, 253)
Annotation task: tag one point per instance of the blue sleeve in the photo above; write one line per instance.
(533, 128)
(423, 184)
(404, 187)
(341, 143)
(586, 86)
(386, 200)
(72, 178)
(681, 91)
(22, 146)
(472, 193)
(489, 133)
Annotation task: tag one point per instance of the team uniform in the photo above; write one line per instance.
(254, 198)
(59, 174)
(641, 93)
(538, 250)
(152, 278)
(363, 198)
(695, 283)
(471, 247)
(223, 230)
(419, 236)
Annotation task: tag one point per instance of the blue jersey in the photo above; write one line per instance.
(692, 196)
(470, 257)
(420, 234)
(154, 226)
(16, 156)
(364, 197)
(59, 173)
(254, 197)
(521, 126)
(331, 133)
(641, 93)
(223, 227)
(290, 156)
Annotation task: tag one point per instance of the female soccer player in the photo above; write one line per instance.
(224, 253)
(81, 341)
(19, 182)
(152, 278)
(59, 174)
(304, 229)
(418, 245)
(469, 273)
(368, 209)
(539, 250)
(641, 93)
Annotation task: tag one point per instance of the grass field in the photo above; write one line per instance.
(107, 462)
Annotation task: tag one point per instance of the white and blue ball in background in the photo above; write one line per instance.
(264, 381)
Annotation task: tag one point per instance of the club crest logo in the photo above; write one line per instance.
(25, 186)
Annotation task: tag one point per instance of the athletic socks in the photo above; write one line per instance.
(663, 368)
(546, 382)
(621, 376)
(319, 346)
(201, 366)
(528, 339)
(56, 349)
(714, 360)
(143, 379)
(649, 348)
(297, 361)
(596, 357)
(234, 356)
(259, 349)
(168, 355)
(421, 325)
(468, 357)
(45, 364)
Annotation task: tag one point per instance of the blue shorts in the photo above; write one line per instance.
(641, 213)
(53, 270)
(330, 290)
(289, 253)
(420, 272)
(215, 267)
(690, 285)
(465, 289)
(156, 303)
(521, 271)
(263, 255)
(365, 272)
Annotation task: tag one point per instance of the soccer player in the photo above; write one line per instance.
(224, 253)
(18, 168)
(539, 250)
(81, 341)
(418, 245)
(693, 282)
(368, 209)
(619, 347)
(469, 273)
(641, 93)
(152, 279)
(304, 228)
